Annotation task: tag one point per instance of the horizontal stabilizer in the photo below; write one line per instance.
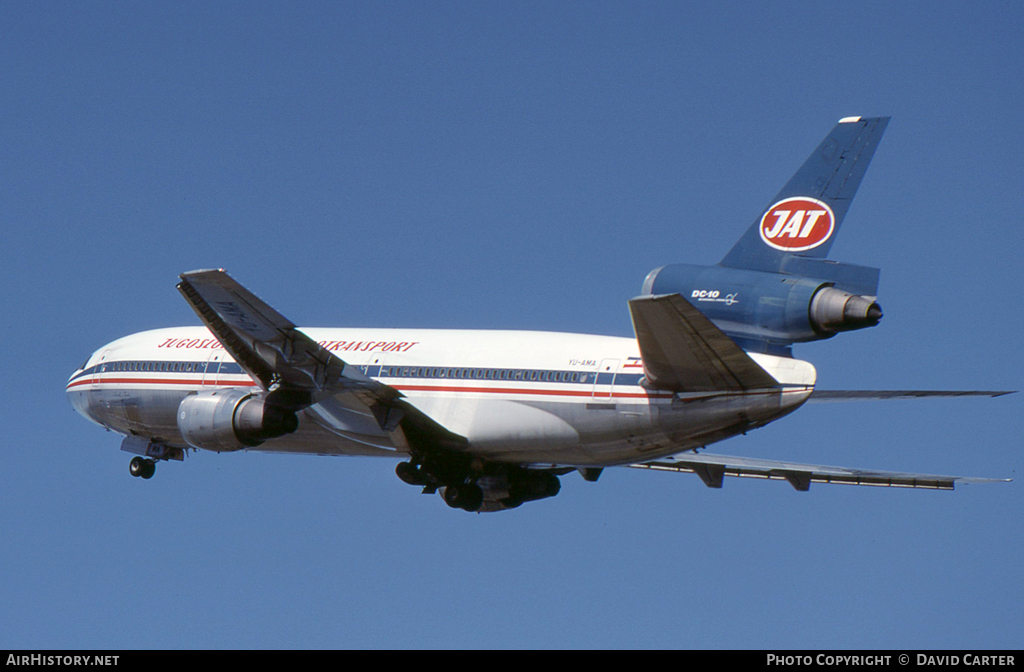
(712, 469)
(867, 395)
(684, 351)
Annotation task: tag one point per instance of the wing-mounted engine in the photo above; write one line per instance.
(232, 419)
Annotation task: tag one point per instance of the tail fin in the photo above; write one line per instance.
(804, 218)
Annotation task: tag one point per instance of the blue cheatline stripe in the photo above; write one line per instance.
(401, 372)
(148, 366)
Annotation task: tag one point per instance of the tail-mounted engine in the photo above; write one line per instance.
(232, 419)
(776, 286)
(771, 311)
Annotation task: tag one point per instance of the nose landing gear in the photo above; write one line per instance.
(149, 450)
(141, 467)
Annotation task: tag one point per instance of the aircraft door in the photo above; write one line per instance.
(605, 378)
(213, 368)
(375, 366)
(101, 402)
(101, 367)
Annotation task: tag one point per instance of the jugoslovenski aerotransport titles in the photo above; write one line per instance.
(493, 419)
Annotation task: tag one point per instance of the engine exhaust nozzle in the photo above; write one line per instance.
(833, 310)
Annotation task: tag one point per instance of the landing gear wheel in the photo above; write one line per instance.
(142, 468)
(472, 497)
(410, 473)
(465, 496)
(535, 486)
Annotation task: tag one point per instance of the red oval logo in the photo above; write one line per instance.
(797, 224)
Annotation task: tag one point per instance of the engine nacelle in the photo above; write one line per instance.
(231, 419)
(776, 309)
(833, 310)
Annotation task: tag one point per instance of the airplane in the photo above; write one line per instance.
(491, 419)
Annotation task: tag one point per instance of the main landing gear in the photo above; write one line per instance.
(465, 496)
(487, 487)
(142, 467)
(462, 494)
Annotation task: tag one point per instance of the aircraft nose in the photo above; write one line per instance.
(77, 389)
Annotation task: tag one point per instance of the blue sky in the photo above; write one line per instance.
(505, 165)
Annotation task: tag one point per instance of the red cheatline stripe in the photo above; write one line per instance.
(588, 393)
(160, 381)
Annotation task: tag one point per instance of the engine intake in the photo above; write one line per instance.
(232, 419)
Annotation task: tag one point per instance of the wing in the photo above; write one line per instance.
(864, 395)
(293, 369)
(684, 351)
(712, 469)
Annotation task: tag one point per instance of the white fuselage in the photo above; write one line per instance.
(517, 396)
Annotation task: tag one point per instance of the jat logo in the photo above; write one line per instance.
(797, 224)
